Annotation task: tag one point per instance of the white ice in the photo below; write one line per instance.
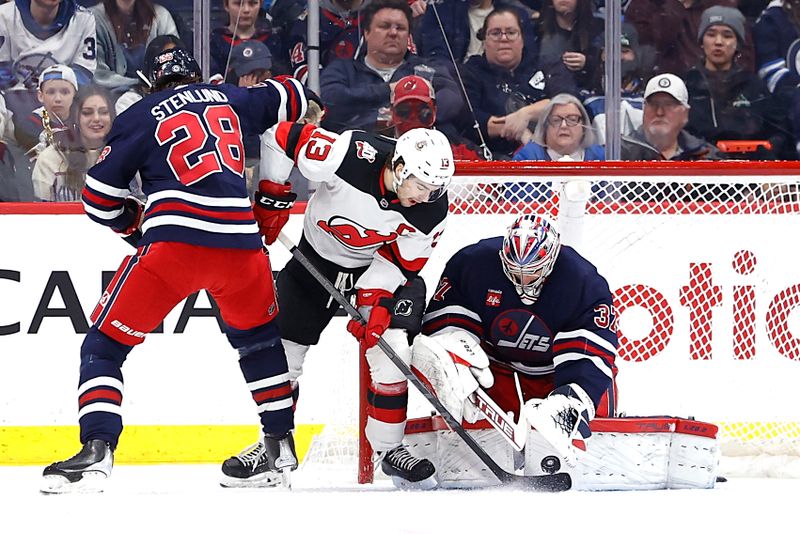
(187, 499)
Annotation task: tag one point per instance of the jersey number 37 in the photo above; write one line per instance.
(189, 158)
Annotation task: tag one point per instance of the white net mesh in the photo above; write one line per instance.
(701, 264)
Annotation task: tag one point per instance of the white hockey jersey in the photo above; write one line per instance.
(69, 40)
(352, 219)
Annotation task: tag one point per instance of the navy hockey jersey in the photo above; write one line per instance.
(186, 144)
(774, 32)
(569, 331)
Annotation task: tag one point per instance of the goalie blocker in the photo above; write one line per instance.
(624, 453)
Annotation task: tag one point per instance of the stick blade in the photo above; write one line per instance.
(543, 483)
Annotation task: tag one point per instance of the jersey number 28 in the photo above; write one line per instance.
(187, 159)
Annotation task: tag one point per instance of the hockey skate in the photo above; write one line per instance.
(260, 466)
(407, 471)
(86, 472)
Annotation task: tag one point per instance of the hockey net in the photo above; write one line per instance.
(700, 260)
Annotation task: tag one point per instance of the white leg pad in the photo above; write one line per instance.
(633, 460)
(457, 467)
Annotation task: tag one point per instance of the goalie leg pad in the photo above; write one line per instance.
(624, 455)
(456, 466)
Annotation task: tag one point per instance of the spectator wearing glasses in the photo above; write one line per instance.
(661, 135)
(507, 87)
(461, 21)
(564, 132)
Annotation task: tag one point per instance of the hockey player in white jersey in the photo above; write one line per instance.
(379, 208)
(46, 32)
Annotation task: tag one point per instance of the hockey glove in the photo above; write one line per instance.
(374, 304)
(563, 420)
(271, 208)
(131, 218)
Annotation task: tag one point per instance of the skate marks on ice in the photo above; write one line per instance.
(175, 498)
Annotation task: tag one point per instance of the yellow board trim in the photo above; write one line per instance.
(140, 444)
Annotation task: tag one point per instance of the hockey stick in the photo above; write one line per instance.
(554, 482)
(499, 419)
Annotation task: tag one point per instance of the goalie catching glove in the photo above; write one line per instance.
(454, 365)
(271, 208)
(563, 420)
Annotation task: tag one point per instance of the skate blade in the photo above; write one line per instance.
(286, 478)
(262, 480)
(90, 482)
(427, 484)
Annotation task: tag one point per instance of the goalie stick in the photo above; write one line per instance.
(551, 483)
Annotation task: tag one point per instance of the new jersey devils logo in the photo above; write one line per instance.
(366, 151)
(353, 235)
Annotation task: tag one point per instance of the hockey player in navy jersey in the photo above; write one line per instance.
(379, 208)
(525, 304)
(198, 232)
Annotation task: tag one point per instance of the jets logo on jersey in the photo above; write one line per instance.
(353, 235)
(366, 151)
(522, 335)
(494, 297)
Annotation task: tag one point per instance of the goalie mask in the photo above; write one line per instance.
(529, 252)
(426, 155)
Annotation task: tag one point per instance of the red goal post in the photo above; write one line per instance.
(700, 260)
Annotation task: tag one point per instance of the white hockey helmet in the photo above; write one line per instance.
(425, 154)
(529, 250)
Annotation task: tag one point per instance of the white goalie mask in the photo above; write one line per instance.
(529, 252)
(426, 155)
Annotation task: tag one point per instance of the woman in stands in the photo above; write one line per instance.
(728, 102)
(60, 170)
(124, 29)
(563, 133)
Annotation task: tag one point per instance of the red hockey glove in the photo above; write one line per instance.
(372, 302)
(132, 210)
(271, 208)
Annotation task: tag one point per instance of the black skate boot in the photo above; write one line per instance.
(249, 469)
(86, 472)
(408, 472)
(281, 456)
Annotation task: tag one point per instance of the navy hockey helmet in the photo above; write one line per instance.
(528, 254)
(175, 65)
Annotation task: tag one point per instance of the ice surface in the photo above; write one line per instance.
(187, 498)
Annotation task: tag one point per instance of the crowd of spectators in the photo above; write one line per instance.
(503, 79)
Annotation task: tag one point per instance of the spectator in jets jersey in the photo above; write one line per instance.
(38, 33)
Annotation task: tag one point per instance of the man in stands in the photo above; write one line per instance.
(357, 91)
(524, 304)
(198, 232)
(378, 211)
(414, 106)
(662, 135)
